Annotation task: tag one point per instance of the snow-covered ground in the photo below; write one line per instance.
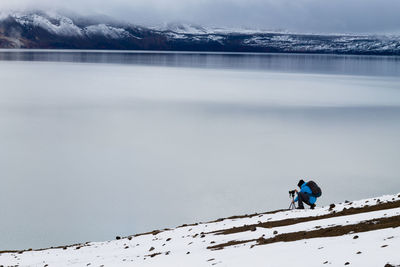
(359, 233)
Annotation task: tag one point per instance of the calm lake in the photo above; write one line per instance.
(98, 144)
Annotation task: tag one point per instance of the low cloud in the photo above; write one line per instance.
(377, 16)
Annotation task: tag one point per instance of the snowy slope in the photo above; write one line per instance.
(360, 233)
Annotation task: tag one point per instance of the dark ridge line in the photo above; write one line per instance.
(78, 246)
(365, 226)
(286, 222)
(246, 216)
(156, 232)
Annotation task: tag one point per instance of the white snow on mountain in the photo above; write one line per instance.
(107, 31)
(282, 40)
(55, 24)
(216, 38)
(335, 44)
(187, 28)
(181, 28)
(238, 241)
(64, 26)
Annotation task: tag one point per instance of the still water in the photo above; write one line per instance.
(98, 144)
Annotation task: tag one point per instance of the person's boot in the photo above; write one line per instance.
(312, 206)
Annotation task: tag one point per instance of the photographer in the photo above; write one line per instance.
(306, 194)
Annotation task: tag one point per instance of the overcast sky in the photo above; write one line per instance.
(294, 15)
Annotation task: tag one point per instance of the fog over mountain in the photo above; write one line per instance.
(339, 16)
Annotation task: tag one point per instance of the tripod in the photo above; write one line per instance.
(292, 205)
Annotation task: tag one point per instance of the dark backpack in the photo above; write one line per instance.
(315, 189)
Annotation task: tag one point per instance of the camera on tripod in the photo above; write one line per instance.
(291, 195)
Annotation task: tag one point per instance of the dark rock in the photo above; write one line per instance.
(118, 237)
(347, 263)
(275, 232)
(151, 249)
(355, 237)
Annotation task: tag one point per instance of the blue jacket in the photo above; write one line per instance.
(305, 189)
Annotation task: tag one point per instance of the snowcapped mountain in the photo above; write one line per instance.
(360, 233)
(182, 28)
(65, 27)
(55, 31)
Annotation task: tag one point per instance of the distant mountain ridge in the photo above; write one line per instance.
(43, 30)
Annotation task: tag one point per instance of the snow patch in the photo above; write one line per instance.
(184, 28)
(107, 31)
(55, 24)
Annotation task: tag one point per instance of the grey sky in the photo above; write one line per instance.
(294, 15)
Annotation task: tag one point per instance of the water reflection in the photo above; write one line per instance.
(306, 63)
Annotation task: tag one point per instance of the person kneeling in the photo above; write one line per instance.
(305, 195)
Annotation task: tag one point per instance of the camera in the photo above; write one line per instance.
(292, 192)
